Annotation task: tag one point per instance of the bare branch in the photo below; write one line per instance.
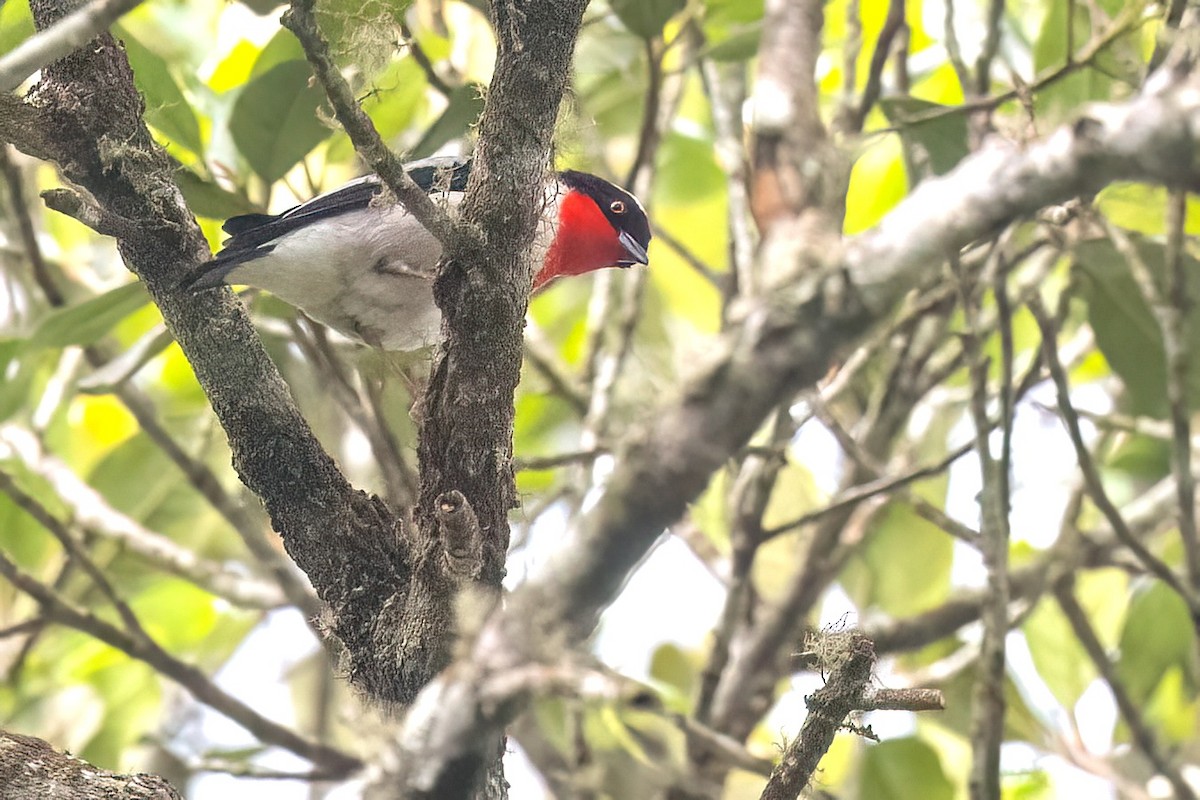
(300, 20)
(87, 212)
(892, 25)
(1140, 731)
(988, 701)
(90, 510)
(1170, 305)
(783, 341)
(422, 58)
(64, 37)
(1091, 473)
(902, 700)
(828, 708)
(58, 609)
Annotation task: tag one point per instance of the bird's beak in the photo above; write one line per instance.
(637, 253)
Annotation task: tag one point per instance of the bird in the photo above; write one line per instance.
(359, 262)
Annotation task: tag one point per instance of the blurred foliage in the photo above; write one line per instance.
(230, 97)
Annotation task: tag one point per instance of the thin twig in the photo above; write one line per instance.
(198, 474)
(315, 346)
(879, 58)
(31, 506)
(24, 218)
(690, 258)
(749, 495)
(559, 459)
(422, 58)
(58, 609)
(651, 106)
(953, 50)
(92, 512)
(988, 705)
(299, 19)
(991, 46)
(725, 86)
(875, 488)
(1139, 730)
(541, 355)
(1173, 310)
(828, 708)
(1087, 465)
(1120, 26)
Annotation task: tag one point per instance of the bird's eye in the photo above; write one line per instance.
(617, 206)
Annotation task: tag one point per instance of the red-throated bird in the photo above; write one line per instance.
(364, 266)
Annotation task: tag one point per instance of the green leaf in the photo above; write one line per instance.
(1114, 66)
(646, 18)
(671, 665)
(877, 183)
(904, 568)
(740, 44)
(932, 146)
(19, 369)
(1172, 708)
(1143, 457)
(733, 11)
(166, 107)
(1126, 331)
(687, 171)
(1158, 636)
(283, 47)
(275, 122)
(1034, 785)
(207, 199)
(86, 322)
(904, 769)
(22, 538)
(1143, 208)
(262, 7)
(466, 103)
(1060, 660)
(16, 24)
(135, 477)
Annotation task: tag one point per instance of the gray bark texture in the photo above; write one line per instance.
(30, 768)
(391, 603)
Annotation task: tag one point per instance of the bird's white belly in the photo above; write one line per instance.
(368, 274)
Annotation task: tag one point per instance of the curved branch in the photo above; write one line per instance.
(779, 343)
(88, 118)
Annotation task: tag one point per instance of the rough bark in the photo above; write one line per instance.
(86, 116)
(31, 768)
(827, 297)
(391, 603)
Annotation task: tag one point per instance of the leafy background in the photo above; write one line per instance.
(229, 95)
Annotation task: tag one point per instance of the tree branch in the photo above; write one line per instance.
(300, 20)
(30, 767)
(91, 511)
(777, 344)
(141, 647)
(828, 708)
(68, 34)
(86, 116)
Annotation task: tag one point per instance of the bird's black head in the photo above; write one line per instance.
(623, 211)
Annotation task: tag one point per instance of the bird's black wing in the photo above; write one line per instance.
(440, 174)
(251, 234)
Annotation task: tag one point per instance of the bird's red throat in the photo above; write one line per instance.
(585, 241)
